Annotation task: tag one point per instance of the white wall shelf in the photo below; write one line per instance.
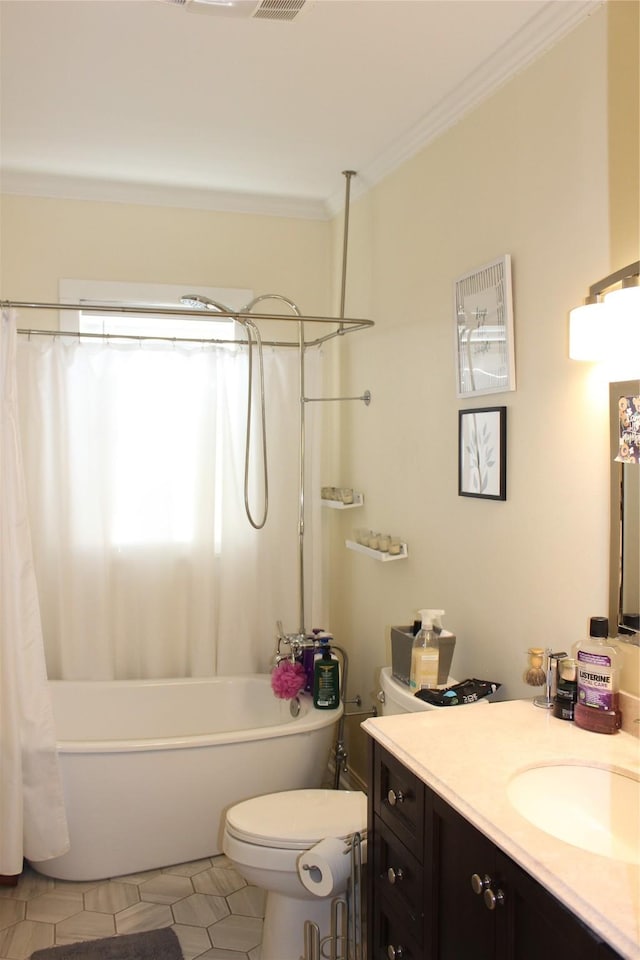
(377, 554)
(358, 500)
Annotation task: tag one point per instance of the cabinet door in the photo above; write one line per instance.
(465, 926)
(539, 925)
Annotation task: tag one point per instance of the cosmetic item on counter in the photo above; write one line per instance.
(425, 652)
(326, 681)
(566, 693)
(597, 707)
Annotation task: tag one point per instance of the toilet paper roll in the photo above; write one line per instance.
(325, 868)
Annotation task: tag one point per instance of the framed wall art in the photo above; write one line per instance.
(483, 304)
(482, 453)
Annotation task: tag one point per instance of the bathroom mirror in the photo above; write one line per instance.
(624, 564)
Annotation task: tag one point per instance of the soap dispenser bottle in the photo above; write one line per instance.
(425, 653)
(597, 706)
(326, 681)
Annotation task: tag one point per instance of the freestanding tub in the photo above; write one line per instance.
(149, 766)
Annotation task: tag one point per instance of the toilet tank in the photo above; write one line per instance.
(398, 698)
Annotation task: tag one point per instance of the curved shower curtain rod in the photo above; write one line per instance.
(344, 324)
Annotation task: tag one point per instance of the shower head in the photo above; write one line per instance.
(199, 302)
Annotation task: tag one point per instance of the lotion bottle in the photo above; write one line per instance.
(425, 653)
(326, 681)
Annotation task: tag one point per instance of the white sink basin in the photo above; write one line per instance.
(594, 808)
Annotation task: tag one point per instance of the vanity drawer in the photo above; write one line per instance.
(399, 799)
(398, 878)
(391, 935)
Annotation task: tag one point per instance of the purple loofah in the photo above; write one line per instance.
(288, 679)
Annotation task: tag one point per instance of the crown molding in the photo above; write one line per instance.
(550, 25)
(56, 186)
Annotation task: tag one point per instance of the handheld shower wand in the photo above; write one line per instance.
(199, 302)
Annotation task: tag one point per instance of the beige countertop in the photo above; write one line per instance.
(469, 756)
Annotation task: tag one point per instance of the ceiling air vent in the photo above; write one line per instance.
(278, 9)
(247, 9)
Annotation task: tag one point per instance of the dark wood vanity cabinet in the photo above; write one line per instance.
(438, 889)
(398, 883)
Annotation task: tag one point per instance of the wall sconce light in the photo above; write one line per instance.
(607, 326)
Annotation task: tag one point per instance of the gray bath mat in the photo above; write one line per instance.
(149, 945)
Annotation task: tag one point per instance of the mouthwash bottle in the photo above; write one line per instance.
(597, 706)
(425, 653)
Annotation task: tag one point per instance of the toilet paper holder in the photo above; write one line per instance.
(315, 870)
(344, 941)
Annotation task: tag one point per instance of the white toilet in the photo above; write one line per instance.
(264, 837)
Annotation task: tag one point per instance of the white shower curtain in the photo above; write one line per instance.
(32, 818)
(134, 457)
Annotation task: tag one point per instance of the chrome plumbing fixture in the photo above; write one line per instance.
(296, 642)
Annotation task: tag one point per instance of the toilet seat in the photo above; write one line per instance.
(297, 819)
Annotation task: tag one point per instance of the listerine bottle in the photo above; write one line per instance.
(597, 705)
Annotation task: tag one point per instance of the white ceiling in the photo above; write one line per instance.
(144, 100)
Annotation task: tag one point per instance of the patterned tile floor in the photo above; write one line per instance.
(214, 913)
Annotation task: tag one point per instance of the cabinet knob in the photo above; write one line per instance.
(394, 875)
(394, 798)
(480, 884)
(395, 953)
(493, 899)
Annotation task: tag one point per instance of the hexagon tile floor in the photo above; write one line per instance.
(214, 913)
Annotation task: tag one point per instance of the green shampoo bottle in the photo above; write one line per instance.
(326, 681)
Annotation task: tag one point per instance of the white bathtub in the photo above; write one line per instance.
(149, 766)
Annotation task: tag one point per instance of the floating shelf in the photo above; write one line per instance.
(358, 500)
(377, 554)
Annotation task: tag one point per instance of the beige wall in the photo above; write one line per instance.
(527, 173)
(536, 172)
(43, 240)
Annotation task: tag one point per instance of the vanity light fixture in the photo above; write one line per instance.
(607, 326)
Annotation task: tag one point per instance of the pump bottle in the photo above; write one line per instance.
(425, 652)
(326, 681)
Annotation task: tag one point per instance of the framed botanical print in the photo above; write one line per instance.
(482, 453)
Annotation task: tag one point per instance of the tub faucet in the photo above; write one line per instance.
(295, 642)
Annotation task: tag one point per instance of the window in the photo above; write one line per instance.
(156, 410)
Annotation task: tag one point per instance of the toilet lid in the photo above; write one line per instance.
(296, 819)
